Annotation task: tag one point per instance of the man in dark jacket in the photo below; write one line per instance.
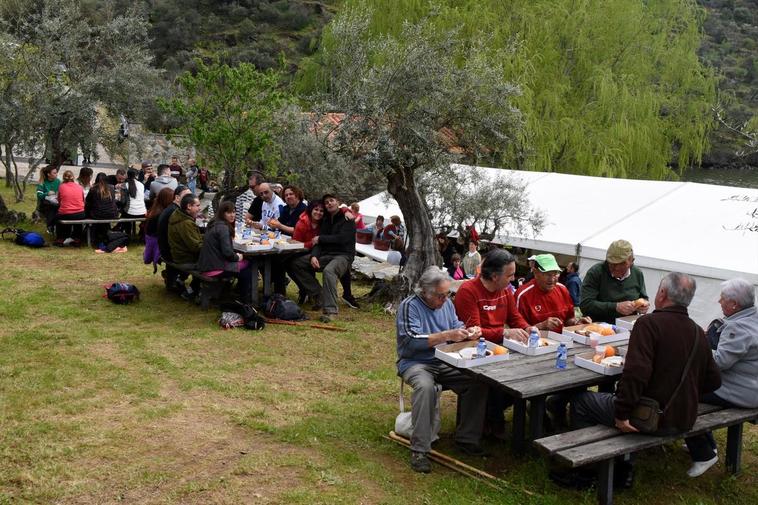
(170, 274)
(333, 252)
(659, 348)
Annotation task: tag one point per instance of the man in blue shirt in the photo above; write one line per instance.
(425, 320)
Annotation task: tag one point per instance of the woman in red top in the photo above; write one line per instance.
(71, 206)
(308, 227)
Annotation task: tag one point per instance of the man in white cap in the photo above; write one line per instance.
(616, 287)
(546, 303)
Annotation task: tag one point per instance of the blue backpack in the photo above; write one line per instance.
(27, 238)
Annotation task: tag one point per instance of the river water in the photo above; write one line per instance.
(745, 178)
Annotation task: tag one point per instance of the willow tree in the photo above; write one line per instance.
(608, 87)
(395, 102)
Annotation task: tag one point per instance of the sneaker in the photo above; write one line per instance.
(99, 251)
(120, 250)
(420, 462)
(350, 301)
(698, 468)
(472, 449)
(575, 478)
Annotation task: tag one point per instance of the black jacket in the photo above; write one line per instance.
(337, 237)
(217, 248)
(97, 207)
(163, 219)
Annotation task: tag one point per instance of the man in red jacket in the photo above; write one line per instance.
(546, 303)
(486, 302)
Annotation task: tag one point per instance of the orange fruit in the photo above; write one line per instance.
(499, 350)
(610, 351)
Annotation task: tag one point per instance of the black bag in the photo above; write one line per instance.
(253, 320)
(122, 293)
(116, 239)
(279, 307)
(646, 415)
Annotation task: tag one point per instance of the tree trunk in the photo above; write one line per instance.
(7, 169)
(421, 249)
(56, 147)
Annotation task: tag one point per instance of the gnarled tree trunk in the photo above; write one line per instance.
(421, 250)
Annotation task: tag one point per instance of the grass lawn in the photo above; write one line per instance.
(154, 403)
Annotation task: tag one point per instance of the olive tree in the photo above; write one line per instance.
(70, 75)
(403, 105)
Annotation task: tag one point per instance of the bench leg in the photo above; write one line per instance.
(518, 442)
(605, 482)
(734, 448)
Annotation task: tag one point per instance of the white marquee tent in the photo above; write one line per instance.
(708, 231)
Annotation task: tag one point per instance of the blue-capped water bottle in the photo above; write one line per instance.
(561, 357)
(481, 348)
(534, 338)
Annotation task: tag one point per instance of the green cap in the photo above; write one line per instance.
(547, 263)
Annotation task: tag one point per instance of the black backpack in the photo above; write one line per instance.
(253, 320)
(279, 307)
(122, 293)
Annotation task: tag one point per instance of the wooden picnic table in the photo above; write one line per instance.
(263, 259)
(533, 378)
(87, 223)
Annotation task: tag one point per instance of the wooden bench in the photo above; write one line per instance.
(87, 223)
(601, 444)
(210, 287)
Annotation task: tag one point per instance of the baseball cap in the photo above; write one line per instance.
(619, 251)
(546, 263)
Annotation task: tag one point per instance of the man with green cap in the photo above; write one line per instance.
(545, 302)
(616, 287)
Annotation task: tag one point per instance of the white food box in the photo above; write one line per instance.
(451, 354)
(252, 246)
(627, 322)
(621, 336)
(584, 360)
(289, 243)
(517, 346)
(558, 337)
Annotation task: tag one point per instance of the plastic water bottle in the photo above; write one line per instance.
(561, 357)
(481, 348)
(247, 233)
(534, 338)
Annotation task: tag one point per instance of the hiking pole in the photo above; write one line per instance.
(461, 467)
(309, 325)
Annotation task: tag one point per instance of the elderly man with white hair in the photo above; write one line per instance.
(736, 355)
(425, 320)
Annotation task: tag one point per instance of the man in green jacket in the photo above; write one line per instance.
(185, 240)
(616, 287)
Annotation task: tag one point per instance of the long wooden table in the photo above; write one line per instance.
(534, 378)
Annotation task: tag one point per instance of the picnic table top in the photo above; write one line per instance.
(269, 252)
(96, 221)
(526, 377)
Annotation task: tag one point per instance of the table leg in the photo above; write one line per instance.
(605, 482)
(254, 285)
(89, 235)
(518, 439)
(536, 416)
(266, 276)
(734, 448)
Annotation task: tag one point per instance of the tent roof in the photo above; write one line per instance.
(700, 229)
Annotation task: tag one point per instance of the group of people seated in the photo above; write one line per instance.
(723, 369)
(324, 226)
(125, 194)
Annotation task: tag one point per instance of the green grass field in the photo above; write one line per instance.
(154, 403)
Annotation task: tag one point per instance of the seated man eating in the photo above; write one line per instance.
(425, 320)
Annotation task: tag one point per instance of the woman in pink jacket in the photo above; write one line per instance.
(70, 206)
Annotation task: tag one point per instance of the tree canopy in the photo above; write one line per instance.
(608, 87)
